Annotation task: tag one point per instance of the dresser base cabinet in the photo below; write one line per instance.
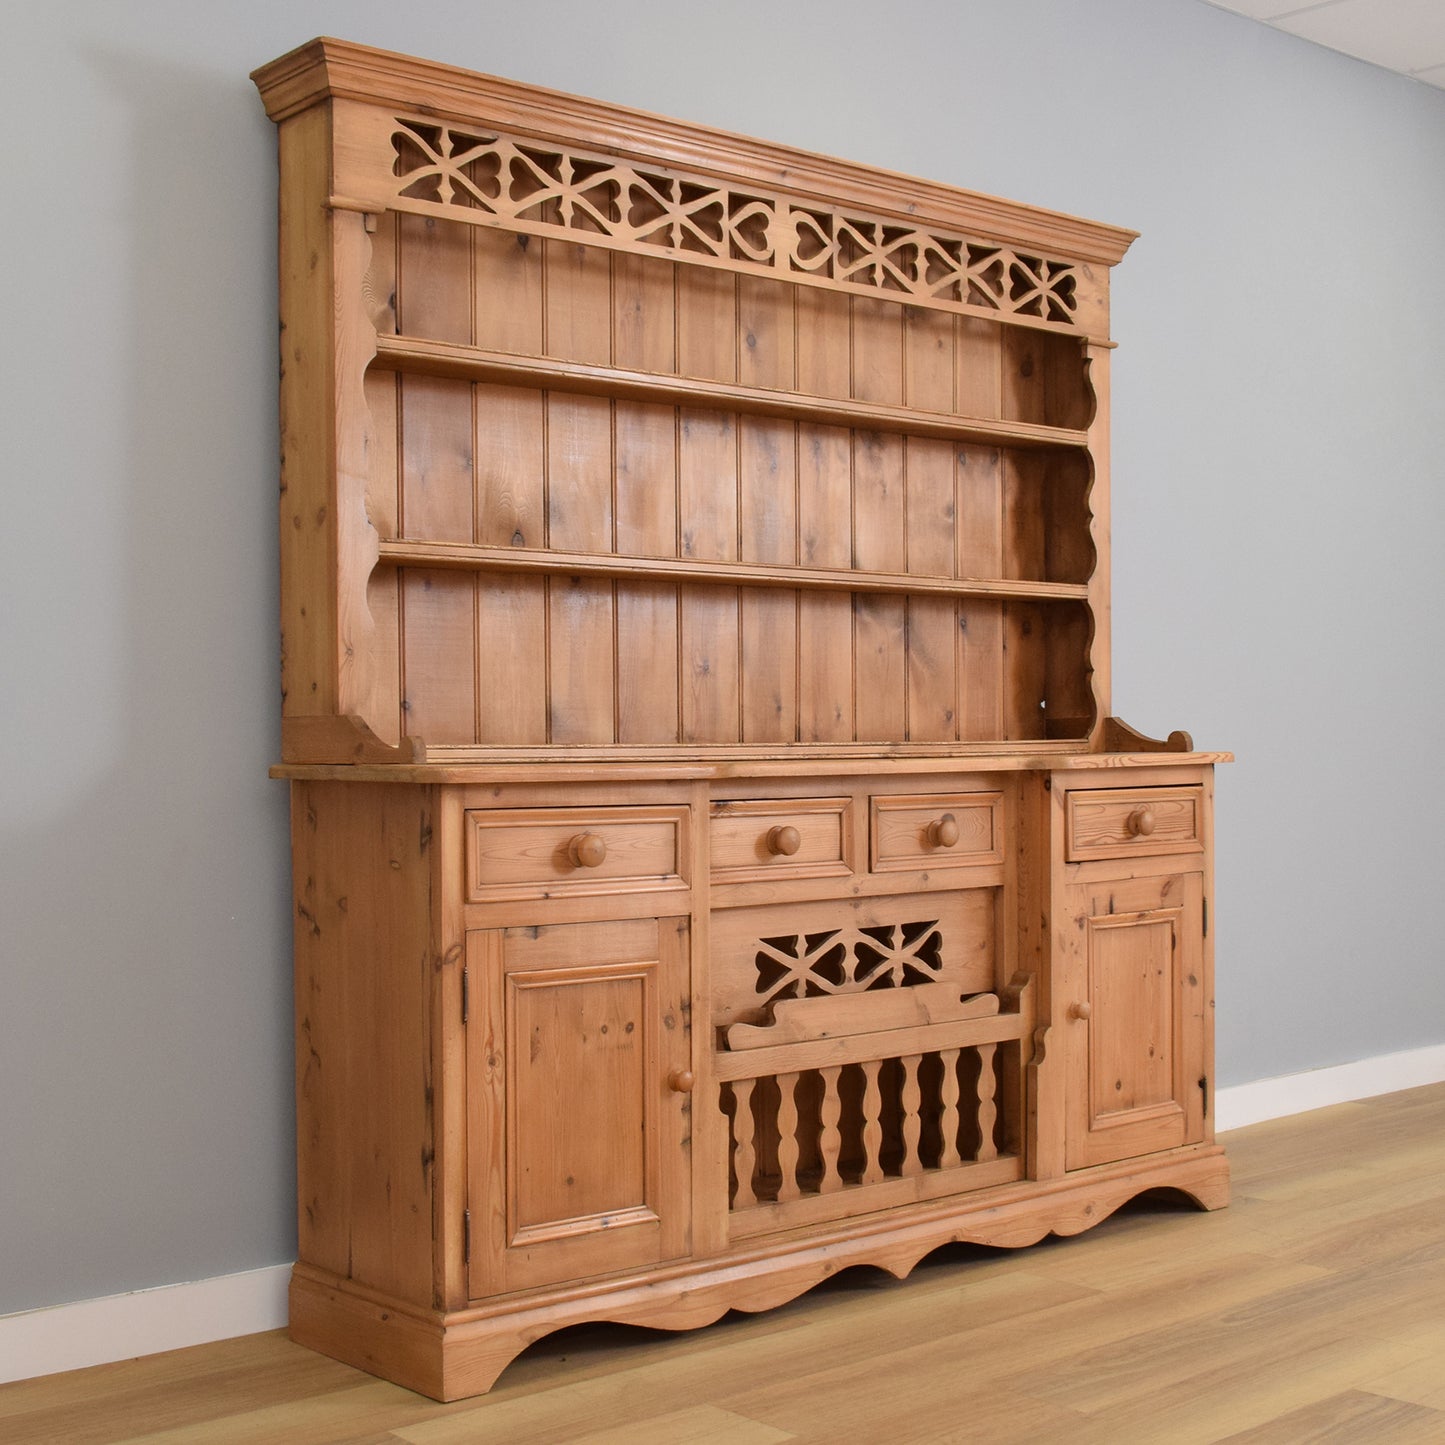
(716, 862)
(535, 1090)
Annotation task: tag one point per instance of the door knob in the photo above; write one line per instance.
(1081, 1010)
(943, 832)
(680, 1081)
(784, 841)
(1141, 823)
(587, 850)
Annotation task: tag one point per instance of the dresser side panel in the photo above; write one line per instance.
(365, 1090)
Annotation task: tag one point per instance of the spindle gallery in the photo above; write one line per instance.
(715, 860)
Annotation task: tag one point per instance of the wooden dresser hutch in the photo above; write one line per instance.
(715, 862)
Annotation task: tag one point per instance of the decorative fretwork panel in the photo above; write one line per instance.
(866, 960)
(843, 1127)
(539, 186)
(848, 960)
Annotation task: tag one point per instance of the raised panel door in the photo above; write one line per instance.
(1134, 1003)
(578, 1115)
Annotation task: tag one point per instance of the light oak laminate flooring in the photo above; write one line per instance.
(1312, 1309)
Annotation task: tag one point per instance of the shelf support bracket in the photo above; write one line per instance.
(1119, 737)
(345, 739)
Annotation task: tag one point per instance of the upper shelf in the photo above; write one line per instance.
(440, 358)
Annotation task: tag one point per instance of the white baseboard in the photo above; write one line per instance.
(1243, 1104)
(120, 1327)
(123, 1326)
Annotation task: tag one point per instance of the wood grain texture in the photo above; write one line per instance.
(511, 508)
(710, 663)
(1107, 823)
(437, 431)
(638, 489)
(434, 279)
(644, 335)
(1133, 1014)
(528, 853)
(582, 675)
(938, 830)
(308, 520)
(742, 845)
(383, 587)
(439, 661)
(767, 333)
(591, 1024)
(507, 298)
(577, 279)
(424, 356)
(364, 1059)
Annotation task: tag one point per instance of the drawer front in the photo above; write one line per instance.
(523, 853)
(936, 830)
(781, 838)
(1119, 822)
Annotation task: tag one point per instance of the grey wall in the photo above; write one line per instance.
(1279, 517)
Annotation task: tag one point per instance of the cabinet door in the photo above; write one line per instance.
(578, 1132)
(1133, 1005)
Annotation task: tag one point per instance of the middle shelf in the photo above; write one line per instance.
(473, 557)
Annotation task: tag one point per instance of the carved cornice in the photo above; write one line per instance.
(335, 69)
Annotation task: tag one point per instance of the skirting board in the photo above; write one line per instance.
(1243, 1104)
(121, 1327)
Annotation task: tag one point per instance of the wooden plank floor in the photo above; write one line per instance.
(1313, 1309)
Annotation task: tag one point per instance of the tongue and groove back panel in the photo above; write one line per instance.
(632, 660)
(662, 457)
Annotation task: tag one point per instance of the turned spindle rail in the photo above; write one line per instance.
(844, 1116)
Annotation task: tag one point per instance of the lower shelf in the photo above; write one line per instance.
(451, 1356)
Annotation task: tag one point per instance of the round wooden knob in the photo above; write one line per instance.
(784, 840)
(680, 1081)
(1080, 1010)
(587, 850)
(943, 832)
(1141, 823)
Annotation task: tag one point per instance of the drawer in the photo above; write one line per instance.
(935, 830)
(520, 853)
(763, 838)
(1118, 822)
